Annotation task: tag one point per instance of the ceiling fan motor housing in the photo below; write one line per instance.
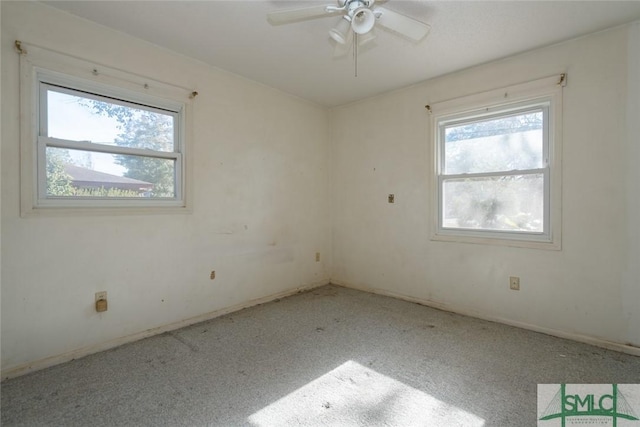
(365, 3)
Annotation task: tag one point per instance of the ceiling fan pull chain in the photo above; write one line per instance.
(355, 52)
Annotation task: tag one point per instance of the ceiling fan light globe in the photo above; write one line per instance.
(340, 33)
(363, 20)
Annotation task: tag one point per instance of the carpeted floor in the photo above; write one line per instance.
(331, 356)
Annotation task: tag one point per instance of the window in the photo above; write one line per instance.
(102, 140)
(497, 170)
(95, 147)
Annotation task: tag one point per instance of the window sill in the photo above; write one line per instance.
(497, 241)
(104, 211)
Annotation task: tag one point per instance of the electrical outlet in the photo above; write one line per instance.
(514, 283)
(213, 274)
(317, 256)
(392, 198)
(101, 301)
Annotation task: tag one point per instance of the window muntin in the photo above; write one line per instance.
(97, 149)
(494, 173)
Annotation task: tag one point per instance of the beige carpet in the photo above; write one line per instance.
(332, 356)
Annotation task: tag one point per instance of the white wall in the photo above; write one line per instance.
(0, 191)
(631, 272)
(261, 211)
(591, 287)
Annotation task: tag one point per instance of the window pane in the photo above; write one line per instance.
(78, 118)
(510, 203)
(77, 173)
(495, 145)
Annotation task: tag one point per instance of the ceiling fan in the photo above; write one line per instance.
(358, 17)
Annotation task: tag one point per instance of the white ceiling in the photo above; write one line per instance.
(299, 58)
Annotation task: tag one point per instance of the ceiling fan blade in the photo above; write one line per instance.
(402, 24)
(364, 44)
(341, 50)
(287, 16)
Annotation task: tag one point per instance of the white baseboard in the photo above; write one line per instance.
(96, 348)
(85, 351)
(598, 342)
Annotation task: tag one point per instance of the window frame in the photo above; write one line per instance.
(541, 95)
(41, 69)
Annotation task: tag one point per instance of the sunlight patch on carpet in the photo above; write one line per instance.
(352, 395)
